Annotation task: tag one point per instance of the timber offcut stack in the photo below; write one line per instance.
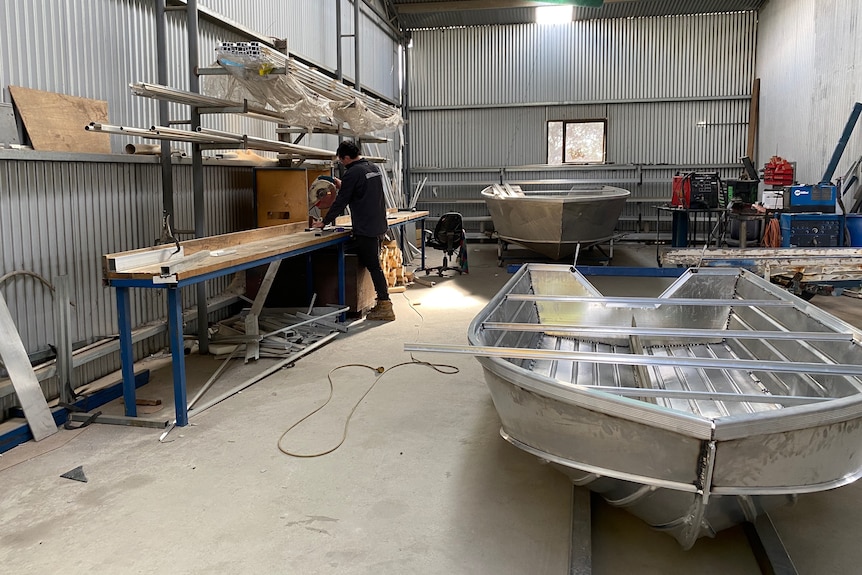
(393, 265)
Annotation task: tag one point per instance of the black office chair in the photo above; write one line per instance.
(448, 236)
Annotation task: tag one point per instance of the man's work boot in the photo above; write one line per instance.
(382, 311)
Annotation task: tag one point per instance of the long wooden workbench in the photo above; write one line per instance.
(172, 267)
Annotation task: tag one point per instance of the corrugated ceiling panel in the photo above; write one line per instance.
(634, 9)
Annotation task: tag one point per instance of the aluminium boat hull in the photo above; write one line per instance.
(553, 224)
(687, 457)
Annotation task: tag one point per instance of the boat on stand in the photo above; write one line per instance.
(696, 410)
(555, 223)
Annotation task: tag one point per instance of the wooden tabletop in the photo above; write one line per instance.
(214, 253)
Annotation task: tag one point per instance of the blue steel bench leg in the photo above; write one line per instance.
(175, 328)
(127, 354)
(422, 240)
(342, 290)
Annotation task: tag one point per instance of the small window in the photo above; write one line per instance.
(577, 142)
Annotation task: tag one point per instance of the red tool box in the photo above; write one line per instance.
(778, 172)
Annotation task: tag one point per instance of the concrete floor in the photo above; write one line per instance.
(422, 484)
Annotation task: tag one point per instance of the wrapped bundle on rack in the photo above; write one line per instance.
(364, 121)
(249, 60)
(303, 96)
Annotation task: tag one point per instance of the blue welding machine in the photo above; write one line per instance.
(811, 198)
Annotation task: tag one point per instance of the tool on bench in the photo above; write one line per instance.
(168, 236)
(321, 194)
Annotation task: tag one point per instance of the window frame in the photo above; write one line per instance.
(565, 123)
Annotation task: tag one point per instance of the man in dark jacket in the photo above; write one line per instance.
(362, 190)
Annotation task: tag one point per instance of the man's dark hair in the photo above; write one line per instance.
(347, 148)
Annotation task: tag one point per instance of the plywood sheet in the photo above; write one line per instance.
(282, 196)
(55, 122)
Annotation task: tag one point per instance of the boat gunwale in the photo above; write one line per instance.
(565, 196)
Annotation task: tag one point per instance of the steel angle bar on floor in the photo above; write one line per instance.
(768, 549)
(119, 420)
(581, 550)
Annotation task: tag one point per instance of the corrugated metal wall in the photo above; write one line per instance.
(646, 133)
(679, 57)
(60, 217)
(59, 213)
(674, 90)
(808, 60)
(95, 48)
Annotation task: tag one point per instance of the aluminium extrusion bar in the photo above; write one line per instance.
(212, 138)
(178, 136)
(638, 301)
(630, 359)
(159, 92)
(212, 378)
(311, 319)
(708, 395)
(669, 332)
(274, 144)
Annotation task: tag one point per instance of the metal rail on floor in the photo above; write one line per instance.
(581, 550)
(769, 551)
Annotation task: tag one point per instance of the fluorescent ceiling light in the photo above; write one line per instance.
(553, 14)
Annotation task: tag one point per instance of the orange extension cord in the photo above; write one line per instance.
(771, 234)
